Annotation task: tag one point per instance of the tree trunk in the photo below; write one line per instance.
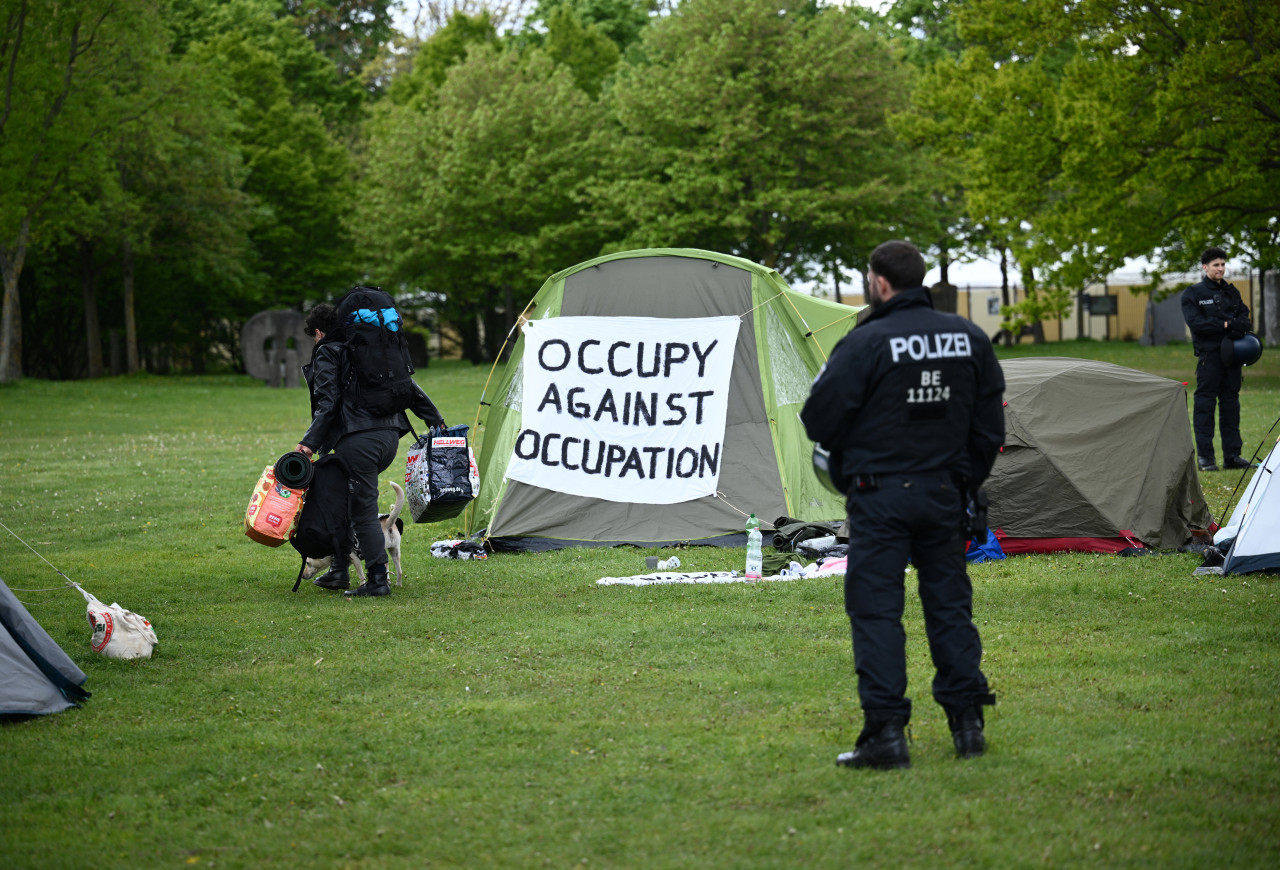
(1004, 291)
(835, 277)
(130, 325)
(508, 319)
(494, 334)
(11, 315)
(469, 333)
(769, 256)
(1260, 316)
(1037, 328)
(93, 336)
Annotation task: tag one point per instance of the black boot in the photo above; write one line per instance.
(376, 585)
(334, 578)
(881, 746)
(966, 732)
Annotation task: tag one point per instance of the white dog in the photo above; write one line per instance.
(392, 531)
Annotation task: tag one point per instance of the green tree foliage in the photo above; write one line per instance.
(171, 167)
(297, 171)
(927, 28)
(431, 16)
(347, 32)
(1106, 129)
(312, 78)
(184, 213)
(925, 31)
(480, 192)
(58, 108)
(583, 48)
(758, 128)
(622, 21)
(447, 47)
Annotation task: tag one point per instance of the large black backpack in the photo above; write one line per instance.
(324, 526)
(373, 331)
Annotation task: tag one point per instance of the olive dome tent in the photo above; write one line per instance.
(652, 398)
(1097, 457)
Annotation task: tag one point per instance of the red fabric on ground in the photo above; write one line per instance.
(1023, 546)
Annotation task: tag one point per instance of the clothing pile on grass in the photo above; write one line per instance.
(822, 542)
(803, 549)
(458, 549)
(807, 549)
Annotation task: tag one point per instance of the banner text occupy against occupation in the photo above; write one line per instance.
(638, 409)
(685, 463)
(625, 409)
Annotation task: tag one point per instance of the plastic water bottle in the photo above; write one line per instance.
(755, 559)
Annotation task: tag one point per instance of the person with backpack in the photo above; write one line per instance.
(361, 384)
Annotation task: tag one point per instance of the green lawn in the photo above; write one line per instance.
(512, 713)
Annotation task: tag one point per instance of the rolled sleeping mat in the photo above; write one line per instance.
(294, 470)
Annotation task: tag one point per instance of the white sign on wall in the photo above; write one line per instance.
(628, 409)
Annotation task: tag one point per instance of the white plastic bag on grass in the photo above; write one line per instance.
(118, 633)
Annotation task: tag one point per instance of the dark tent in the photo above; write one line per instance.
(36, 676)
(1097, 457)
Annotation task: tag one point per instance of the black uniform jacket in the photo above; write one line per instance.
(910, 390)
(335, 411)
(1209, 304)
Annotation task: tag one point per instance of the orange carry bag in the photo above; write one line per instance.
(275, 506)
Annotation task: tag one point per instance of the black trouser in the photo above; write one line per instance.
(916, 517)
(368, 454)
(1220, 384)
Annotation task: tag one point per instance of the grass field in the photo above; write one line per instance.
(511, 713)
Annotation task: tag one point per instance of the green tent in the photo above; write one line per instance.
(1095, 454)
(757, 460)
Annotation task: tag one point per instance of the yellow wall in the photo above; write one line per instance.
(1127, 325)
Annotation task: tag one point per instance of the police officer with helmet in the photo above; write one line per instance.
(910, 407)
(1217, 316)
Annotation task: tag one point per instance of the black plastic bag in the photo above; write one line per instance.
(441, 476)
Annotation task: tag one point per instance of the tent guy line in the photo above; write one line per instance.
(1226, 511)
(42, 558)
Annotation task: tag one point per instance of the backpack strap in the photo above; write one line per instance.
(298, 582)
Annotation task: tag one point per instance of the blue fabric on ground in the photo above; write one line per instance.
(984, 552)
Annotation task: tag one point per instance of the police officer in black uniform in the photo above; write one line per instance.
(1214, 311)
(910, 406)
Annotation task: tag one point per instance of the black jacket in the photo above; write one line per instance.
(336, 412)
(910, 390)
(1209, 304)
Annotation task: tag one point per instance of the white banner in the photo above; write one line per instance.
(628, 409)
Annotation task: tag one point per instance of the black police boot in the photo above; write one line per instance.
(376, 585)
(882, 745)
(1237, 462)
(966, 732)
(1207, 464)
(334, 578)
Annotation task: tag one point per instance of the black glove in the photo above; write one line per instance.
(975, 514)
